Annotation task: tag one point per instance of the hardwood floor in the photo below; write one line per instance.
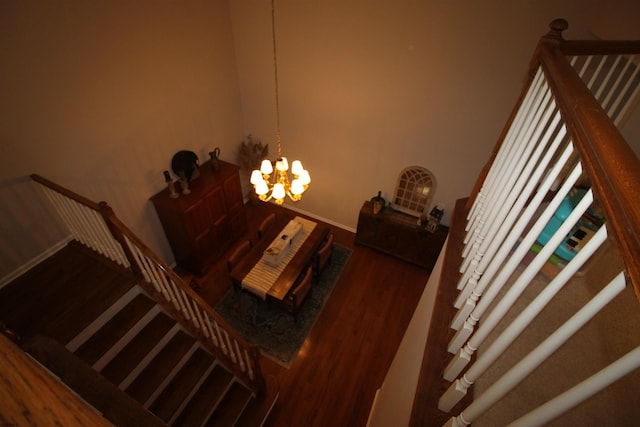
(343, 361)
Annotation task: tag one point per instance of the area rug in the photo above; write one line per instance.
(273, 330)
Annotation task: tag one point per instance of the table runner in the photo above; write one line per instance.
(262, 276)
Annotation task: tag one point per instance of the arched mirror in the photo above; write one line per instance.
(413, 190)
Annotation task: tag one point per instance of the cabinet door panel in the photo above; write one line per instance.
(215, 205)
(367, 230)
(409, 244)
(196, 219)
(387, 237)
(233, 192)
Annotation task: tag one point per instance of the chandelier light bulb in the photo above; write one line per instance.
(282, 165)
(296, 167)
(278, 191)
(256, 177)
(262, 188)
(296, 187)
(266, 167)
(304, 177)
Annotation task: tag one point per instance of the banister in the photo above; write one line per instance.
(258, 380)
(610, 164)
(121, 234)
(70, 194)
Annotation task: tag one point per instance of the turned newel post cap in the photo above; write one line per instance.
(557, 26)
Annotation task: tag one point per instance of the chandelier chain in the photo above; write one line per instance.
(275, 73)
(271, 181)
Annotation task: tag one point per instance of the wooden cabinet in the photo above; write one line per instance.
(202, 225)
(398, 234)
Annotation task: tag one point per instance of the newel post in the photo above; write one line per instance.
(556, 27)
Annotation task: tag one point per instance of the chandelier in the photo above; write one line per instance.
(267, 183)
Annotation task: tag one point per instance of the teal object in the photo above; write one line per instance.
(564, 251)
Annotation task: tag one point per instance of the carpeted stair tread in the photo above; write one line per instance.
(204, 402)
(231, 406)
(160, 367)
(182, 385)
(127, 359)
(67, 290)
(114, 329)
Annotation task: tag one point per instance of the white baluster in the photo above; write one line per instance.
(526, 317)
(581, 392)
(526, 243)
(530, 362)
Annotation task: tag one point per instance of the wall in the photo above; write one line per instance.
(618, 20)
(370, 87)
(98, 96)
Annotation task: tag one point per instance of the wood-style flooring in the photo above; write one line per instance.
(344, 360)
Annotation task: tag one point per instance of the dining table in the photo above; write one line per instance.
(273, 282)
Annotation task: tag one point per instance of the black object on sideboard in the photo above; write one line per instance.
(203, 224)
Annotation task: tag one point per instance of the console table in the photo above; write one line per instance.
(201, 225)
(399, 235)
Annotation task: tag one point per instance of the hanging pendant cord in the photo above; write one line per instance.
(275, 69)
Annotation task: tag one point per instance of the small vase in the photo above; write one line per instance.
(377, 203)
(215, 157)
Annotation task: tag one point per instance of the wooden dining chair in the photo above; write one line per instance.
(265, 224)
(238, 253)
(323, 257)
(299, 294)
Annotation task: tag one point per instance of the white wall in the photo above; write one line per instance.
(370, 87)
(98, 96)
(620, 20)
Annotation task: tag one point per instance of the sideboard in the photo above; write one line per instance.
(201, 225)
(399, 235)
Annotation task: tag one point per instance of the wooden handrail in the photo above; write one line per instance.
(66, 192)
(611, 165)
(191, 304)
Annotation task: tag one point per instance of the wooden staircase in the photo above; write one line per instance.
(92, 326)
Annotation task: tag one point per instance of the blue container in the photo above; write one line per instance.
(566, 250)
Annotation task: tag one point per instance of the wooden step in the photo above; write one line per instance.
(161, 368)
(100, 321)
(205, 402)
(127, 359)
(183, 386)
(231, 406)
(114, 329)
(260, 407)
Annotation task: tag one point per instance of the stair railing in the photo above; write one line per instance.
(562, 137)
(561, 141)
(96, 226)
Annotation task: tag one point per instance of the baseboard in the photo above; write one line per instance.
(34, 261)
(373, 407)
(319, 218)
